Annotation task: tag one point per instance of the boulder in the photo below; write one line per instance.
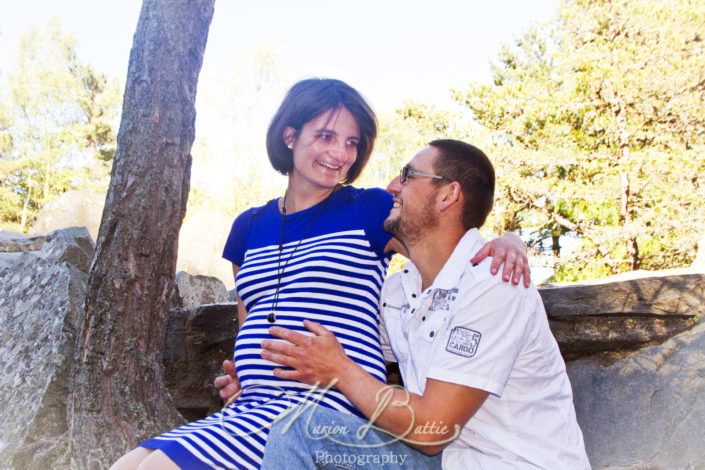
(11, 242)
(74, 208)
(194, 291)
(617, 317)
(198, 340)
(201, 242)
(8, 259)
(41, 309)
(648, 406)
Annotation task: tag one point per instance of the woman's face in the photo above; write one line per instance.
(324, 149)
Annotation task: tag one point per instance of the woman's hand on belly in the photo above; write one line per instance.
(228, 385)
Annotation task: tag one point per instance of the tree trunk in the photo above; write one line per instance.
(118, 396)
(25, 206)
(625, 208)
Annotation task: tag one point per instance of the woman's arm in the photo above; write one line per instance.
(228, 385)
(241, 312)
(509, 250)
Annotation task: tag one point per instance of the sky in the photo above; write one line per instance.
(390, 50)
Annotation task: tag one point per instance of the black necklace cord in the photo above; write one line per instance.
(272, 317)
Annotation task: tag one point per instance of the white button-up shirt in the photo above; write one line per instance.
(473, 329)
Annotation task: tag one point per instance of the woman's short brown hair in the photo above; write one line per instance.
(307, 100)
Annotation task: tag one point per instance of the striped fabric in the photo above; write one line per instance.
(332, 278)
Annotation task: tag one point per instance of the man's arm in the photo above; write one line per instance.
(426, 422)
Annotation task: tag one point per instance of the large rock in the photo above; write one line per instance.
(197, 342)
(201, 242)
(194, 291)
(639, 402)
(72, 209)
(8, 259)
(646, 407)
(41, 308)
(621, 316)
(11, 242)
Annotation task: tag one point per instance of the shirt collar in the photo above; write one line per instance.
(449, 276)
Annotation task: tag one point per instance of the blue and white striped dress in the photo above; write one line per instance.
(334, 277)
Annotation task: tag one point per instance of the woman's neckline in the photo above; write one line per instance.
(276, 204)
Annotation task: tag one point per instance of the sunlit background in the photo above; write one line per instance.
(423, 66)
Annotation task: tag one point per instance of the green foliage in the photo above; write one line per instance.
(57, 125)
(603, 111)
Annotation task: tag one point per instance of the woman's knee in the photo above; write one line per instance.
(132, 459)
(157, 460)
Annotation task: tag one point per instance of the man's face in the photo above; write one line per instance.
(414, 212)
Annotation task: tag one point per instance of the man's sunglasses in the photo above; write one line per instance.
(407, 172)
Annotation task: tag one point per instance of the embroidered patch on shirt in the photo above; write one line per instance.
(463, 341)
(441, 299)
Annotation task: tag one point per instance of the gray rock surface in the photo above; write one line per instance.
(8, 259)
(11, 242)
(197, 342)
(194, 291)
(41, 307)
(638, 346)
(624, 315)
(72, 209)
(646, 407)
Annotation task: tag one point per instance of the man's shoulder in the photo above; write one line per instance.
(477, 281)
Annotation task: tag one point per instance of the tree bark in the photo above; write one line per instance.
(118, 397)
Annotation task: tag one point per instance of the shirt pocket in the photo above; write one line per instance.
(431, 326)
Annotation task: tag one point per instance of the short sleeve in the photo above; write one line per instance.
(387, 351)
(235, 246)
(375, 205)
(484, 339)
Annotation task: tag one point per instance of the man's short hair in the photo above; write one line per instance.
(469, 166)
(307, 100)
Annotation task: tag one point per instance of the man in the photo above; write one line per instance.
(485, 382)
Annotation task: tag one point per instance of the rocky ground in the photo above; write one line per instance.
(635, 352)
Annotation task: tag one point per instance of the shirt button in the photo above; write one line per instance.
(431, 334)
(413, 310)
(423, 319)
(413, 295)
(384, 304)
(406, 271)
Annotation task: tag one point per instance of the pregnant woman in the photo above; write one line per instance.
(319, 252)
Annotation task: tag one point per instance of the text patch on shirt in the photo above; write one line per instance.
(442, 298)
(463, 341)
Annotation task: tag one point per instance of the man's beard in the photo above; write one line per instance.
(409, 228)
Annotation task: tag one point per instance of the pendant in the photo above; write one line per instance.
(271, 318)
